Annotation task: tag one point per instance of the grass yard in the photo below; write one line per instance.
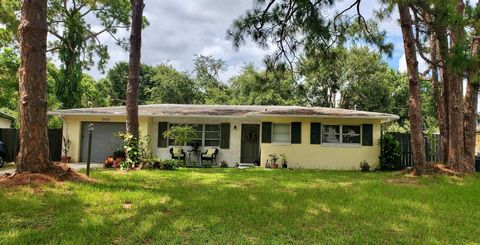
(244, 206)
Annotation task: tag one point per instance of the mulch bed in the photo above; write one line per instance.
(57, 174)
(433, 168)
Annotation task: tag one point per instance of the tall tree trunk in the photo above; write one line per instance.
(438, 92)
(414, 103)
(455, 105)
(134, 67)
(444, 77)
(471, 105)
(34, 152)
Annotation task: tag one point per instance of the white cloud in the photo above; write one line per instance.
(180, 29)
(402, 64)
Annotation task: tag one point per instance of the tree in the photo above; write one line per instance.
(207, 70)
(414, 103)
(261, 87)
(368, 83)
(95, 94)
(323, 77)
(9, 64)
(447, 32)
(8, 22)
(77, 45)
(134, 68)
(116, 82)
(171, 86)
(34, 152)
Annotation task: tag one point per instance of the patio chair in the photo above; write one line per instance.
(209, 155)
(177, 153)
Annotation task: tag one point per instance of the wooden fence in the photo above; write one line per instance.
(433, 151)
(10, 138)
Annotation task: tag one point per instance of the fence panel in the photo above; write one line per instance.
(10, 136)
(432, 149)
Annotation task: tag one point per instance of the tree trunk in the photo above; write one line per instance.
(34, 152)
(438, 94)
(470, 117)
(414, 103)
(134, 68)
(455, 104)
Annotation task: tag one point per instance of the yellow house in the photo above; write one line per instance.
(309, 137)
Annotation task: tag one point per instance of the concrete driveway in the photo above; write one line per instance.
(75, 166)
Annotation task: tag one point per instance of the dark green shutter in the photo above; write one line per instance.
(315, 133)
(266, 132)
(162, 141)
(296, 133)
(225, 134)
(367, 137)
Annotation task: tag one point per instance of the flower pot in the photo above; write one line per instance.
(284, 165)
(274, 166)
(65, 159)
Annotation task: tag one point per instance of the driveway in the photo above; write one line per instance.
(75, 166)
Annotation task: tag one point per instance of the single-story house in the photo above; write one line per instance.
(6, 120)
(310, 137)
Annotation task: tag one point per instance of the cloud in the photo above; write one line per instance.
(402, 64)
(181, 29)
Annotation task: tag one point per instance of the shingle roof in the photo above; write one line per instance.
(3, 115)
(229, 111)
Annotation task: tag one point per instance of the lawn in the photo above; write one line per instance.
(244, 206)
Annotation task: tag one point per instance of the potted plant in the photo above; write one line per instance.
(118, 157)
(65, 150)
(284, 160)
(273, 160)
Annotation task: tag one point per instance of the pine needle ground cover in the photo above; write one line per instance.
(244, 206)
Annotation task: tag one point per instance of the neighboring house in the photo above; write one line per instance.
(311, 137)
(6, 120)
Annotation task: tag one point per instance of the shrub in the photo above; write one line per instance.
(168, 164)
(390, 154)
(119, 153)
(364, 166)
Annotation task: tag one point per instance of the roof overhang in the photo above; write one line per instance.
(383, 119)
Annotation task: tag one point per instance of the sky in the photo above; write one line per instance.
(179, 30)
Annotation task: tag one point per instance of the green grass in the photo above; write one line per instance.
(245, 206)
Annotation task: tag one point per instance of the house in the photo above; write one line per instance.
(310, 137)
(6, 120)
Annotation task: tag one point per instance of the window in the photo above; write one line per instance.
(205, 135)
(281, 133)
(341, 134)
(351, 134)
(331, 134)
(197, 140)
(212, 135)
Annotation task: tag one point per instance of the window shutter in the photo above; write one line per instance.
(296, 133)
(225, 135)
(315, 133)
(367, 134)
(162, 141)
(266, 132)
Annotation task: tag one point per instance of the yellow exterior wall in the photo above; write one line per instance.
(324, 156)
(477, 144)
(72, 128)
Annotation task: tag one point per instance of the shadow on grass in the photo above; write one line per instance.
(251, 206)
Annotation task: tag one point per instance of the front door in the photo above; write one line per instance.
(250, 143)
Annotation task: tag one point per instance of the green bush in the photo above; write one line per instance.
(390, 154)
(168, 164)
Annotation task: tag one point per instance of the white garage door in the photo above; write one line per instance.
(104, 141)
